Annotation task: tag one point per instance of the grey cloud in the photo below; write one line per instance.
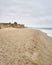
(26, 11)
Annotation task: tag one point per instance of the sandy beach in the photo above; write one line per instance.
(25, 47)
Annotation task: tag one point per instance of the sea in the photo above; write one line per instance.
(48, 31)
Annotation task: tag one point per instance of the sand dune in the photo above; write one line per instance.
(25, 47)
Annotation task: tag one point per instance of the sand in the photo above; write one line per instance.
(25, 47)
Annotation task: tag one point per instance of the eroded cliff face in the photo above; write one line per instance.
(8, 25)
(25, 47)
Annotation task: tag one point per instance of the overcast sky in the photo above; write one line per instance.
(29, 12)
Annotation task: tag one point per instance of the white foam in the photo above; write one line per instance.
(49, 32)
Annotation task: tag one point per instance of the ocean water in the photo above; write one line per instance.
(48, 31)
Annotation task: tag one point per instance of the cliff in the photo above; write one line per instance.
(14, 25)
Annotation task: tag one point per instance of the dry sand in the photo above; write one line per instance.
(25, 47)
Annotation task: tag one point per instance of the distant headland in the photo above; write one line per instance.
(14, 25)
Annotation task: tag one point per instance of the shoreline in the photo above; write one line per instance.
(48, 34)
(47, 31)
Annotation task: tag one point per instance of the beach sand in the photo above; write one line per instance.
(25, 47)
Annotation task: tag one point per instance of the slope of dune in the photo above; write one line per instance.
(25, 47)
